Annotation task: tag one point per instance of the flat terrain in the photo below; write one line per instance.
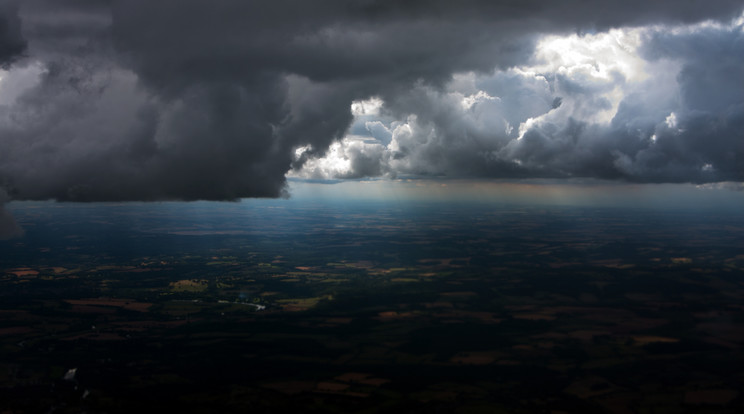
(264, 306)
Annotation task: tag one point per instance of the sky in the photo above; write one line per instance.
(143, 100)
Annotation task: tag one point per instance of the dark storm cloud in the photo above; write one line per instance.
(12, 43)
(186, 99)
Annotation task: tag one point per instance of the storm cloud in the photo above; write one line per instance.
(644, 104)
(186, 99)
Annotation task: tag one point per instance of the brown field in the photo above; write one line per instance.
(331, 386)
(127, 304)
(23, 272)
(15, 330)
(58, 270)
(430, 305)
(534, 316)
(92, 309)
(642, 340)
(328, 387)
(361, 378)
(587, 335)
(710, 397)
(387, 315)
(339, 320)
(476, 358)
(105, 336)
(485, 317)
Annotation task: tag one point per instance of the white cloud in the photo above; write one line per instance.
(604, 105)
(369, 106)
(594, 55)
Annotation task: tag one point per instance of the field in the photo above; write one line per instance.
(265, 306)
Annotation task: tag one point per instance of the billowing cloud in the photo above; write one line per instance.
(186, 99)
(653, 103)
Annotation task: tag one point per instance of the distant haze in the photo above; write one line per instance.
(720, 198)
